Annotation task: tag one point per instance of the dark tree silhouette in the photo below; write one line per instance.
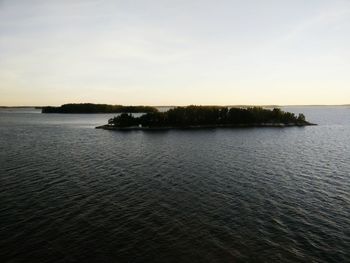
(97, 108)
(209, 116)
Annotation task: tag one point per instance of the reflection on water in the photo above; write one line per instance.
(71, 193)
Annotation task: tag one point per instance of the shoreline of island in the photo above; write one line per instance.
(206, 117)
(198, 127)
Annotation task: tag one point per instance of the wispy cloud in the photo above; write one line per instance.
(233, 50)
(320, 20)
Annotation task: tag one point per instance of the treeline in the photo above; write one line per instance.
(97, 108)
(208, 116)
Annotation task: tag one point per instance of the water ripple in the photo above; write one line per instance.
(70, 193)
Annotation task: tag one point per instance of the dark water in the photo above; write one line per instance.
(70, 193)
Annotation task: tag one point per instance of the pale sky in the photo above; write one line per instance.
(174, 52)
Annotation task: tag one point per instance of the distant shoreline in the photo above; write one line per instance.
(20, 107)
(90, 108)
(238, 105)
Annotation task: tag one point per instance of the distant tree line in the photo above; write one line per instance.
(97, 108)
(208, 115)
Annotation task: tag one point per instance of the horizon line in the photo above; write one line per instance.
(223, 105)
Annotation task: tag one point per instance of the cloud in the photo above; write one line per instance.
(318, 21)
(159, 47)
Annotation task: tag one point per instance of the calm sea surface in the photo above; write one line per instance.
(71, 193)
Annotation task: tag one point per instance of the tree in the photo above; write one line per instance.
(301, 117)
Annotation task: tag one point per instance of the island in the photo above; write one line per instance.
(196, 117)
(97, 108)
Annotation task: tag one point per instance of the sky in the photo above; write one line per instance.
(174, 52)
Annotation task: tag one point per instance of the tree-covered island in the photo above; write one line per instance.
(97, 108)
(207, 117)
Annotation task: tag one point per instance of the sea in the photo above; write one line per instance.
(73, 193)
